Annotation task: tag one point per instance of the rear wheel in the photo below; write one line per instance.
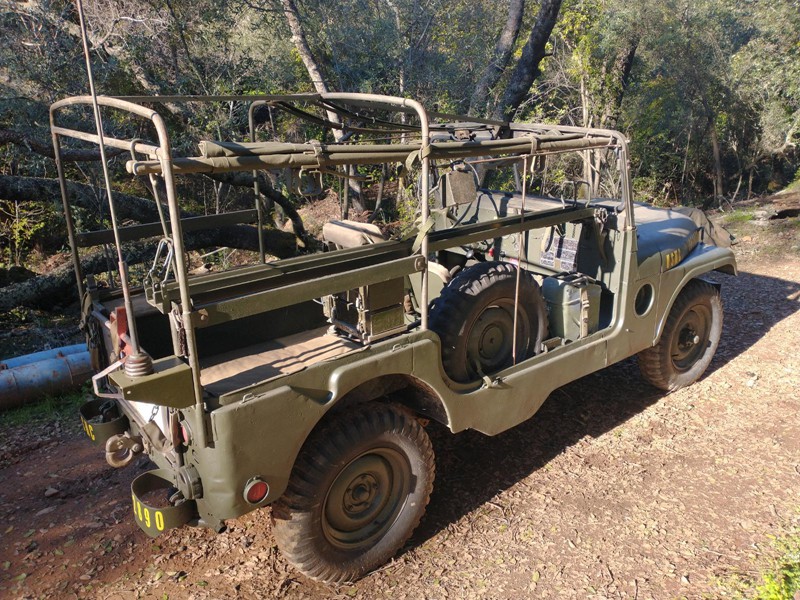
(358, 490)
(689, 340)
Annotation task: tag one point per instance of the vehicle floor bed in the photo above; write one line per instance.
(230, 371)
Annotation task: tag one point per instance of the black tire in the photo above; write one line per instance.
(689, 340)
(474, 317)
(357, 492)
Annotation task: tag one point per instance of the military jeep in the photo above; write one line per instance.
(306, 383)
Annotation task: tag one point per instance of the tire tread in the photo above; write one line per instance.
(655, 362)
(292, 514)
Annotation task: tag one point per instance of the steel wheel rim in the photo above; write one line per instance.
(691, 337)
(491, 336)
(366, 497)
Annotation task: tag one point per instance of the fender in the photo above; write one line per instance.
(702, 259)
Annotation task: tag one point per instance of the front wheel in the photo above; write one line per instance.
(689, 340)
(357, 492)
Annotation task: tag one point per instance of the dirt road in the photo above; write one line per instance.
(613, 490)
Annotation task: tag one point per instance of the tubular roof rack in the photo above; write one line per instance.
(219, 157)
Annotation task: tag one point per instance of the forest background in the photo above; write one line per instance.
(708, 91)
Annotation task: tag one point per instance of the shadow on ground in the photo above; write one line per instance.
(473, 468)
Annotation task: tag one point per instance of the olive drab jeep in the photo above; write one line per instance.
(306, 383)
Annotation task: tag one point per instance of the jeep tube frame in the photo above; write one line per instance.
(244, 382)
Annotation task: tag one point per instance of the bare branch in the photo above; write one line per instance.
(244, 179)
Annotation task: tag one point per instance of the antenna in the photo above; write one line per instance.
(137, 363)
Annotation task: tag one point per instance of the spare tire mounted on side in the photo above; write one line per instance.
(474, 317)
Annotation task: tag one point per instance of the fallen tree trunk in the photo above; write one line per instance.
(81, 195)
(58, 287)
(9, 136)
(244, 237)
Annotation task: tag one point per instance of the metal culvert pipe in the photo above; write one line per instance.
(27, 359)
(31, 380)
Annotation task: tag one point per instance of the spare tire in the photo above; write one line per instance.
(474, 317)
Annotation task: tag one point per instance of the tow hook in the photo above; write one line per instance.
(121, 449)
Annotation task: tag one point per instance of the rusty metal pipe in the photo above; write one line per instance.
(27, 359)
(31, 381)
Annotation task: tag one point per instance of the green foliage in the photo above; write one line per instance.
(778, 580)
(407, 207)
(500, 179)
(739, 216)
(668, 73)
(62, 407)
(20, 224)
(782, 583)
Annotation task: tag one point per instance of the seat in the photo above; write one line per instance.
(350, 234)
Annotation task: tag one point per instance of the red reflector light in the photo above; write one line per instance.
(184, 433)
(255, 491)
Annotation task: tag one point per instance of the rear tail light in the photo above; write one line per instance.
(256, 490)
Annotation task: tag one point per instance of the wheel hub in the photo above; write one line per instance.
(361, 492)
(691, 339)
(491, 341)
(366, 497)
(491, 338)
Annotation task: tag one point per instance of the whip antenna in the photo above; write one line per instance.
(138, 363)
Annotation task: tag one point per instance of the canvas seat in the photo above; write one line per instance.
(350, 234)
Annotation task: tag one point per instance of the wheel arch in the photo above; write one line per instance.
(695, 268)
(400, 388)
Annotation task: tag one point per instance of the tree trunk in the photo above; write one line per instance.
(623, 64)
(500, 58)
(586, 102)
(9, 136)
(81, 195)
(58, 288)
(315, 68)
(303, 49)
(527, 68)
(719, 192)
